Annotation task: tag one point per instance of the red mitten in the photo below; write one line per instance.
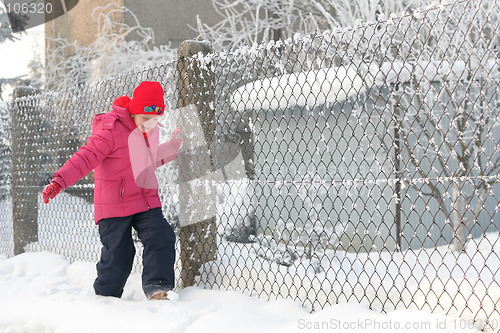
(50, 191)
(176, 139)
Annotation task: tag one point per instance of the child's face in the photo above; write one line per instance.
(146, 122)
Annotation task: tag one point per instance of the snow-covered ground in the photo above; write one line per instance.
(48, 292)
(44, 292)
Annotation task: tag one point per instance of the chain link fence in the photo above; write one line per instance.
(359, 165)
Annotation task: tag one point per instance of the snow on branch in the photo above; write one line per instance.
(118, 48)
(248, 22)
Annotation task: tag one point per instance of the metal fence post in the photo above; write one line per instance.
(24, 170)
(197, 193)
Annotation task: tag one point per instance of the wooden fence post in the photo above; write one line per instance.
(197, 192)
(25, 167)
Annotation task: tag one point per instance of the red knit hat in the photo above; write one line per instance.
(147, 99)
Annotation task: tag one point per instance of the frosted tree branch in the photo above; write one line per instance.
(118, 48)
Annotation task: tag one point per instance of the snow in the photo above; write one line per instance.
(280, 92)
(44, 292)
(434, 279)
(335, 84)
(48, 292)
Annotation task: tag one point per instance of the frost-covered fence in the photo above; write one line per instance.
(54, 126)
(6, 232)
(373, 172)
(358, 165)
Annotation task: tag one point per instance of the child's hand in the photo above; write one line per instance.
(50, 191)
(176, 139)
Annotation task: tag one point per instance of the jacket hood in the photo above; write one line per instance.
(123, 114)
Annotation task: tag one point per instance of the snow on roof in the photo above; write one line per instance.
(304, 88)
(336, 84)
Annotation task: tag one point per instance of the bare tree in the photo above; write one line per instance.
(110, 54)
(246, 22)
(447, 111)
(6, 34)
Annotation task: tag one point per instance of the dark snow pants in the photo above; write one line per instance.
(118, 252)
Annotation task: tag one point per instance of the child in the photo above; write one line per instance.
(126, 191)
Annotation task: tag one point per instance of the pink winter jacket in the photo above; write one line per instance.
(116, 192)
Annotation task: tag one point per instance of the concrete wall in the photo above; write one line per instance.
(308, 168)
(350, 149)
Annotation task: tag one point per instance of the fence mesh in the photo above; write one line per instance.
(359, 165)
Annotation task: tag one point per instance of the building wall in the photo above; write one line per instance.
(77, 24)
(169, 19)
